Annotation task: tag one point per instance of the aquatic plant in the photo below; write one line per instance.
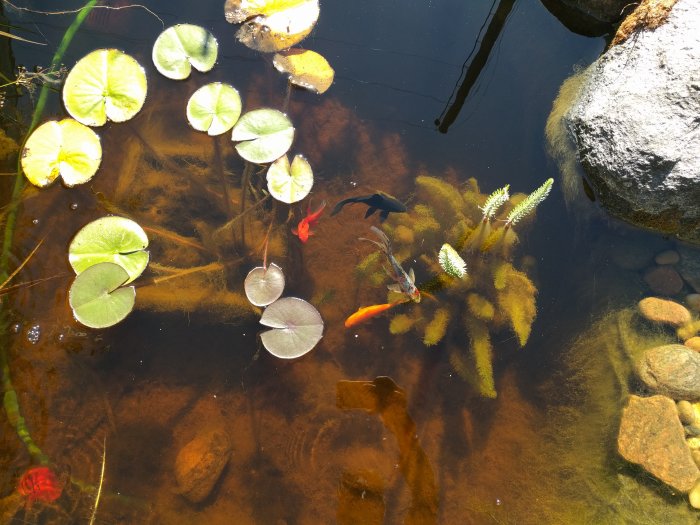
(214, 108)
(463, 241)
(182, 47)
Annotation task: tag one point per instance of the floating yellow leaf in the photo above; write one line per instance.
(272, 25)
(306, 69)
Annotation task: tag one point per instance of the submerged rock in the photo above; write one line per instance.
(663, 280)
(652, 436)
(671, 370)
(635, 125)
(663, 311)
(200, 462)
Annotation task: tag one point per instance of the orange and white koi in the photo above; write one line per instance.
(405, 282)
(368, 312)
(303, 229)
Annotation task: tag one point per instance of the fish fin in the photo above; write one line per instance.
(411, 275)
(394, 288)
(383, 215)
(370, 211)
(295, 231)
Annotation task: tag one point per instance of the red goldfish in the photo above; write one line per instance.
(303, 229)
(39, 484)
(368, 312)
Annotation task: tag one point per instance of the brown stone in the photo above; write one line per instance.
(664, 311)
(199, 464)
(663, 280)
(667, 257)
(693, 301)
(652, 436)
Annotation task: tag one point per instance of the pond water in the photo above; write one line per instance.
(369, 427)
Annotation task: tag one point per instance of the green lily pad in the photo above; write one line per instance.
(264, 135)
(180, 48)
(290, 183)
(214, 108)
(296, 327)
(264, 285)
(110, 239)
(97, 297)
(66, 148)
(105, 84)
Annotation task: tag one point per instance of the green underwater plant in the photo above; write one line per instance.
(464, 241)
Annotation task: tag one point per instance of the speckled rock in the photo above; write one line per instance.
(689, 267)
(664, 311)
(671, 370)
(200, 462)
(694, 496)
(663, 280)
(667, 257)
(693, 343)
(652, 436)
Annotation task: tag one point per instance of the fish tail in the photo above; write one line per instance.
(385, 243)
(340, 205)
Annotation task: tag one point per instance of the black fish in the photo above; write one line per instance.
(376, 201)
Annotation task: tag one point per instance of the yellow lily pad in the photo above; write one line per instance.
(306, 69)
(272, 25)
(66, 148)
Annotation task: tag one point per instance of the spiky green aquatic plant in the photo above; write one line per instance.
(463, 240)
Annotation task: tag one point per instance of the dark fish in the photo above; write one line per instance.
(376, 201)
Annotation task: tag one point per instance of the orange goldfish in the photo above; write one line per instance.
(368, 312)
(303, 229)
(39, 484)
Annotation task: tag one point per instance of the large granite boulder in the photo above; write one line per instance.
(671, 370)
(636, 125)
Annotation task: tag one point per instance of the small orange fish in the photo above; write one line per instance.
(39, 484)
(368, 312)
(303, 229)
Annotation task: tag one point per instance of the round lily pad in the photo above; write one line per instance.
(264, 135)
(296, 327)
(290, 183)
(181, 47)
(66, 148)
(214, 108)
(272, 25)
(97, 297)
(105, 84)
(110, 239)
(264, 285)
(306, 69)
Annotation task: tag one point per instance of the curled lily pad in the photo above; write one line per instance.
(97, 297)
(264, 285)
(264, 135)
(181, 47)
(296, 327)
(110, 239)
(272, 25)
(66, 148)
(105, 84)
(306, 69)
(290, 183)
(214, 108)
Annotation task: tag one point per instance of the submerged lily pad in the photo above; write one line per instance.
(306, 69)
(110, 239)
(181, 47)
(296, 327)
(97, 297)
(272, 25)
(105, 84)
(214, 108)
(66, 148)
(290, 183)
(264, 135)
(264, 285)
